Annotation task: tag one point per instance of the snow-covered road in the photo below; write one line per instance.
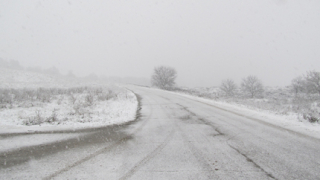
(175, 138)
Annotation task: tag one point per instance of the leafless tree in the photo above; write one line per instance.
(252, 85)
(164, 77)
(312, 79)
(228, 87)
(298, 84)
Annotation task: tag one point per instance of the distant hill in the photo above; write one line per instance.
(13, 75)
(13, 78)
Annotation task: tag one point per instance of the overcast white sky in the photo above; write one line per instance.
(205, 40)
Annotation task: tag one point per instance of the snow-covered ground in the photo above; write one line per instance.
(61, 113)
(55, 103)
(289, 120)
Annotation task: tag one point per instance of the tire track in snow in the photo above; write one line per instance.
(199, 156)
(151, 155)
(107, 148)
(148, 157)
(67, 168)
(238, 151)
(195, 151)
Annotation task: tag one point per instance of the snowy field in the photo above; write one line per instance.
(278, 106)
(38, 102)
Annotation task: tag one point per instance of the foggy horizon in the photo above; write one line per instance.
(206, 42)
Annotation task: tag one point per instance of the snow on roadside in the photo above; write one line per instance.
(35, 102)
(117, 110)
(290, 121)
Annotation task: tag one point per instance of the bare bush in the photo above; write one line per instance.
(298, 85)
(53, 118)
(228, 87)
(252, 86)
(34, 120)
(164, 77)
(312, 80)
(307, 104)
(310, 117)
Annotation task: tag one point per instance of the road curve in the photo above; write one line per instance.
(179, 138)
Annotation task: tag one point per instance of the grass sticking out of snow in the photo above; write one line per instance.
(70, 107)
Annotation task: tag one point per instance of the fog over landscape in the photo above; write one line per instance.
(155, 89)
(205, 41)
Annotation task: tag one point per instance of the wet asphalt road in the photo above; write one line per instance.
(173, 138)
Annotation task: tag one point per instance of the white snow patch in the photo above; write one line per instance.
(117, 110)
(289, 121)
(114, 105)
